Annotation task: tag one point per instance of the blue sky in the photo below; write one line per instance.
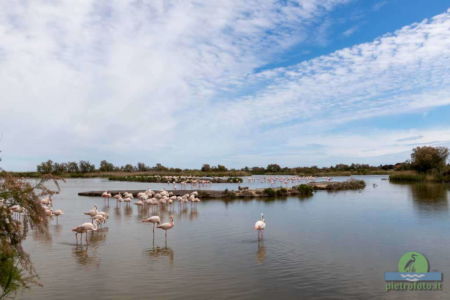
(183, 83)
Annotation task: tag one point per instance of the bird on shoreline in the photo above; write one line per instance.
(260, 225)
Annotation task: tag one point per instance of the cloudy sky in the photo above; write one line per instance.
(182, 83)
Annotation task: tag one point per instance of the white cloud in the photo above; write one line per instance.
(154, 80)
(400, 72)
(350, 31)
(113, 77)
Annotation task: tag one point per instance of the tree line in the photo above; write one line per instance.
(423, 159)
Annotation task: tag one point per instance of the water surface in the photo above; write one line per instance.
(329, 246)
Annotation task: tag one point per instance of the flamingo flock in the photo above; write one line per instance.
(283, 180)
(144, 200)
(46, 203)
(147, 199)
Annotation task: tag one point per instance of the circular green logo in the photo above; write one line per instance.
(413, 262)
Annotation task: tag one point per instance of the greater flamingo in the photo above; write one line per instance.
(79, 230)
(260, 225)
(167, 226)
(92, 213)
(58, 213)
(154, 220)
(84, 228)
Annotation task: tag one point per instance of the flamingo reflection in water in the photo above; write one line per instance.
(160, 252)
(261, 252)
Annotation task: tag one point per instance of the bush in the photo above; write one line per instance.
(281, 192)
(427, 158)
(270, 192)
(305, 190)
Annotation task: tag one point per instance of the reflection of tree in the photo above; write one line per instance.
(429, 196)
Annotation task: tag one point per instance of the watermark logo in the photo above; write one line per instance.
(413, 274)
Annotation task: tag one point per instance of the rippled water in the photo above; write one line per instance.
(329, 246)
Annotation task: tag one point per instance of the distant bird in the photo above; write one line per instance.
(92, 213)
(260, 225)
(154, 220)
(139, 203)
(106, 195)
(57, 213)
(167, 226)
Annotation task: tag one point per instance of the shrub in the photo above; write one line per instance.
(426, 158)
(406, 177)
(270, 192)
(305, 190)
(281, 192)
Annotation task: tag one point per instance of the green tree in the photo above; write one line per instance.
(426, 158)
(159, 167)
(128, 168)
(16, 269)
(86, 166)
(206, 168)
(106, 166)
(45, 167)
(59, 168)
(221, 168)
(273, 168)
(72, 167)
(142, 167)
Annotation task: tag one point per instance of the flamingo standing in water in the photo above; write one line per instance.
(106, 196)
(167, 226)
(85, 228)
(79, 230)
(57, 213)
(154, 220)
(92, 213)
(260, 225)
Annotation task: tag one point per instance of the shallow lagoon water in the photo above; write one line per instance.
(330, 246)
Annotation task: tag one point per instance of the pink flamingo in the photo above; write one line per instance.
(58, 213)
(260, 225)
(167, 226)
(85, 228)
(154, 220)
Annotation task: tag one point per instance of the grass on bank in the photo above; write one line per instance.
(413, 176)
